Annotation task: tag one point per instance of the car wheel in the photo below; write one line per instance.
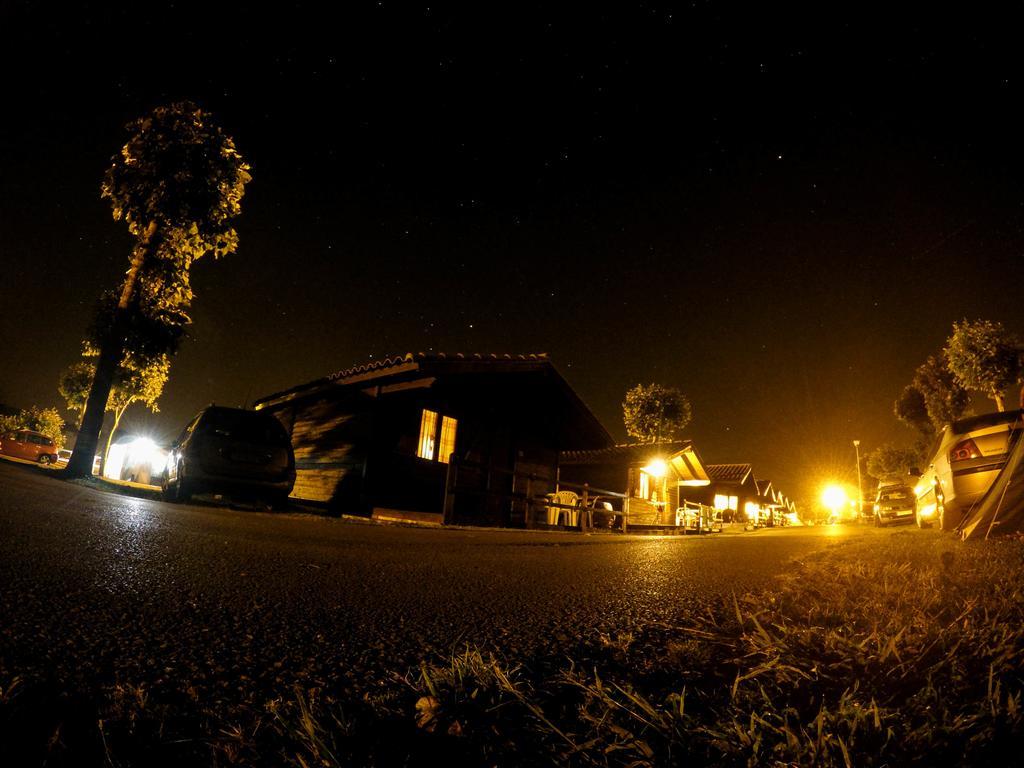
(45, 458)
(277, 502)
(177, 492)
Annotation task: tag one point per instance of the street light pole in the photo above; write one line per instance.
(860, 488)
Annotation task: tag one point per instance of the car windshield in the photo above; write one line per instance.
(894, 495)
(985, 420)
(248, 426)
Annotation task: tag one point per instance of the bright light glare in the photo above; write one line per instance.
(140, 451)
(834, 497)
(143, 450)
(657, 468)
(115, 461)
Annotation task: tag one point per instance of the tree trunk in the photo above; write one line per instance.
(111, 352)
(88, 438)
(118, 413)
(998, 397)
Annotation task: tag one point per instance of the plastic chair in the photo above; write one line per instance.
(555, 514)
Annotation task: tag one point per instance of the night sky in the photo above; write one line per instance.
(781, 212)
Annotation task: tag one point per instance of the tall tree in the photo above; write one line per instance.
(983, 356)
(653, 412)
(178, 183)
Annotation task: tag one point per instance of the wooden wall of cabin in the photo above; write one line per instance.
(536, 467)
(356, 448)
(329, 441)
(506, 425)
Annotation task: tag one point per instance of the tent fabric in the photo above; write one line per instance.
(1001, 510)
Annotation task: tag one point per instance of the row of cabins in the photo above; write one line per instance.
(484, 440)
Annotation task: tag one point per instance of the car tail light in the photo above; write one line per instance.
(963, 450)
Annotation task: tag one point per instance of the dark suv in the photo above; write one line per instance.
(231, 451)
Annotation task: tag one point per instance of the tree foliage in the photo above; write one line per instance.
(933, 399)
(179, 171)
(178, 183)
(911, 410)
(983, 356)
(889, 462)
(74, 384)
(653, 412)
(138, 380)
(944, 398)
(45, 420)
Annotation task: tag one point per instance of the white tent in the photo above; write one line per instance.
(1001, 510)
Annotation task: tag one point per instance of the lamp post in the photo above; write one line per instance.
(860, 488)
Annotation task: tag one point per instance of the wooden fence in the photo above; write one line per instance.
(527, 500)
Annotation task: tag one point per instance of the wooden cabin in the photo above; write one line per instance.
(382, 438)
(650, 475)
(772, 512)
(732, 489)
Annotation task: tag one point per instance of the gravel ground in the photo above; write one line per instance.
(237, 606)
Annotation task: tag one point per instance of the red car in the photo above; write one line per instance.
(29, 445)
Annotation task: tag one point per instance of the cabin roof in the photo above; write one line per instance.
(395, 364)
(728, 473)
(399, 368)
(677, 454)
(626, 453)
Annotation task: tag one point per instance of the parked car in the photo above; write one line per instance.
(232, 451)
(895, 504)
(966, 458)
(604, 515)
(29, 445)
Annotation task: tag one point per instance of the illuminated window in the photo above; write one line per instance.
(428, 433)
(448, 426)
(645, 486)
(726, 502)
(437, 437)
(752, 508)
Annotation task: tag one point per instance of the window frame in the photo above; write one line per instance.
(438, 432)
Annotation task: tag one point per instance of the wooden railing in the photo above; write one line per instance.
(526, 499)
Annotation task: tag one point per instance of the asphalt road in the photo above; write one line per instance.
(97, 588)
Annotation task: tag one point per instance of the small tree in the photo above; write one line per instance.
(983, 356)
(911, 410)
(890, 462)
(653, 413)
(138, 380)
(933, 399)
(945, 399)
(178, 183)
(74, 384)
(9, 422)
(48, 421)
